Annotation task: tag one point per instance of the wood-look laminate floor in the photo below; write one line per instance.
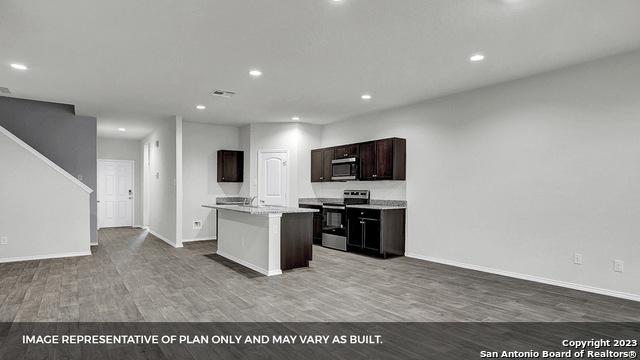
(133, 276)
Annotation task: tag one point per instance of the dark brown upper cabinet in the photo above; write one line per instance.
(346, 151)
(317, 169)
(321, 164)
(328, 155)
(383, 159)
(230, 166)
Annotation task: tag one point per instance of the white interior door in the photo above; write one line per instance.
(115, 193)
(273, 177)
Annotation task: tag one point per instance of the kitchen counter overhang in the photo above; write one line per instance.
(267, 239)
(261, 210)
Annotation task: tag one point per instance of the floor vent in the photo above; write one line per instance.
(5, 90)
(223, 93)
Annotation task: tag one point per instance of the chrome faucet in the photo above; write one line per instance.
(249, 201)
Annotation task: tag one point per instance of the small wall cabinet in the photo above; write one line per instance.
(230, 166)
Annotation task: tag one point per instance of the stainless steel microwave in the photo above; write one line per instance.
(345, 169)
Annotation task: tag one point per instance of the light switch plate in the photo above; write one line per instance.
(618, 265)
(577, 259)
(4, 240)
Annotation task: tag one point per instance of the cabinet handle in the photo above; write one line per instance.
(321, 177)
(375, 175)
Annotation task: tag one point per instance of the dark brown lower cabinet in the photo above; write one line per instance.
(376, 232)
(317, 222)
(296, 240)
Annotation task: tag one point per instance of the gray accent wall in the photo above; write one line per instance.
(56, 132)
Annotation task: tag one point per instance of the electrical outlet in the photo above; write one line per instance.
(618, 265)
(4, 240)
(197, 224)
(577, 259)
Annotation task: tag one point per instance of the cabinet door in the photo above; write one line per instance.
(317, 229)
(355, 232)
(371, 234)
(384, 159)
(316, 166)
(230, 166)
(368, 161)
(346, 151)
(327, 158)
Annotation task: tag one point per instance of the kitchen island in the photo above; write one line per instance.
(267, 239)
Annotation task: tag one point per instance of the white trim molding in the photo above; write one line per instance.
(199, 239)
(161, 237)
(534, 278)
(46, 256)
(51, 164)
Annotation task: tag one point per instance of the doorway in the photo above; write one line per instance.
(115, 193)
(273, 177)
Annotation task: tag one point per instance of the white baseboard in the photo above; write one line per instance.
(199, 239)
(587, 288)
(249, 265)
(46, 256)
(164, 239)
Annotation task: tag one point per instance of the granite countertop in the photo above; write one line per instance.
(374, 204)
(261, 210)
(377, 207)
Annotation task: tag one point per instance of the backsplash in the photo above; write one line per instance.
(382, 190)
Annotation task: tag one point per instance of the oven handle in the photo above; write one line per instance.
(334, 207)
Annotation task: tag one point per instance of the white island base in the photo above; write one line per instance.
(250, 240)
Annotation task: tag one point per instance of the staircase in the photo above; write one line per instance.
(44, 210)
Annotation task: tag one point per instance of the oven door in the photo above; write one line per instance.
(334, 232)
(334, 221)
(344, 169)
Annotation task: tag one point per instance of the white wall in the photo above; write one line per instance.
(519, 176)
(201, 143)
(162, 188)
(43, 213)
(125, 149)
(298, 139)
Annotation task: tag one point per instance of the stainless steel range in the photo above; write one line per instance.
(334, 226)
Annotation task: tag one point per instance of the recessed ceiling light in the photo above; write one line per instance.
(122, 129)
(295, 118)
(255, 73)
(201, 107)
(366, 97)
(19, 66)
(476, 57)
